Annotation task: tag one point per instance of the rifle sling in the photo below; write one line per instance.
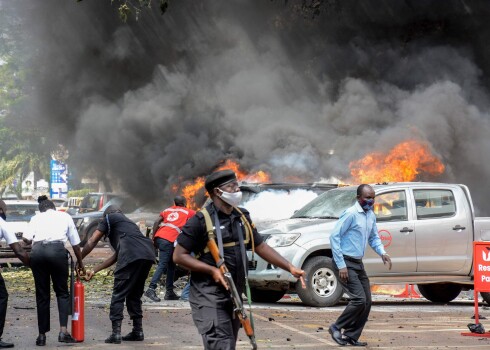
(219, 236)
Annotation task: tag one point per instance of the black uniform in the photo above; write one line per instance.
(211, 304)
(135, 255)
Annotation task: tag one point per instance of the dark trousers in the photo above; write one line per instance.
(165, 264)
(129, 285)
(218, 327)
(49, 262)
(355, 315)
(4, 297)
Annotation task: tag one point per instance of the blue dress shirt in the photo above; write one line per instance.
(354, 230)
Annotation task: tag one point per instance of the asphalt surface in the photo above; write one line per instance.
(394, 323)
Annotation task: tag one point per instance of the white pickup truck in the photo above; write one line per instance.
(427, 228)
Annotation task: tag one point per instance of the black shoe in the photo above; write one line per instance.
(114, 338)
(41, 340)
(66, 338)
(134, 336)
(171, 296)
(336, 335)
(353, 342)
(150, 293)
(5, 345)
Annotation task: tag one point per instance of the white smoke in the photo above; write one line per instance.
(278, 204)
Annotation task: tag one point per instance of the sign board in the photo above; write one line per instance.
(481, 263)
(59, 174)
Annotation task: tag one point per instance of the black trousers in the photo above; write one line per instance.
(129, 285)
(218, 327)
(49, 262)
(4, 298)
(356, 314)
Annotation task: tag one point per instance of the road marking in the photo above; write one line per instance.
(309, 335)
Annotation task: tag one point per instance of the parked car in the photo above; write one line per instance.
(19, 213)
(95, 201)
(427, 228)
(86, 223)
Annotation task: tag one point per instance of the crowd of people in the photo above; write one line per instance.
(183, 237)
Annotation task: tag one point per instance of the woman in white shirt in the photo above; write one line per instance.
(49, 230)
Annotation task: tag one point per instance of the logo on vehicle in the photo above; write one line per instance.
(385, 237)
(173, 216)
(486, 257)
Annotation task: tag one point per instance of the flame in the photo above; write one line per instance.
(192, 191)
(405, 162)
(189, 192)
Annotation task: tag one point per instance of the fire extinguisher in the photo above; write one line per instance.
(78, 308)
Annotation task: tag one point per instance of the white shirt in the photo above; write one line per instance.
(6, 233)
(51, 226)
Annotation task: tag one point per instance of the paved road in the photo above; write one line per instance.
(393, 324)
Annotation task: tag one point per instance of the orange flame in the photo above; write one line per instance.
(405, 162)
(191, 191)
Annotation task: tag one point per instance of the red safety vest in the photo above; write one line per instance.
(173, 219)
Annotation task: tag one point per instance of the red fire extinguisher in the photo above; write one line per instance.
(78, 316)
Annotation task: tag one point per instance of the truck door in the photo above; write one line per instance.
(396, 232)
(443, 230)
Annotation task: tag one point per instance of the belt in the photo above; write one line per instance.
(49, 242)
(351, 259)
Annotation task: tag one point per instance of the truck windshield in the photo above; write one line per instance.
(329, 205)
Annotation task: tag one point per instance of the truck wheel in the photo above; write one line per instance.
(440, 292)
(266, 296)
(486, 297)
(322, 287)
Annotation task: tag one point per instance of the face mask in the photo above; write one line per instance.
(232, 199)
(367, 204)
(3, 216)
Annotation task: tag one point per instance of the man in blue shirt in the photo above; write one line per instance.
(354, 230)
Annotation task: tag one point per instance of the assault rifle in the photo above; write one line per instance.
(238, 307)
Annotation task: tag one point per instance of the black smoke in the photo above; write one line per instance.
(278, 86)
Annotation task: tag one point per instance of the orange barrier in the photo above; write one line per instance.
(409, 292)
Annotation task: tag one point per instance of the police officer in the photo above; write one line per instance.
(134, 255)
(211, 305)
(11, 240)
(49, 230)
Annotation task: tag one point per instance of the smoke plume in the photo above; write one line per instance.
(158, 101)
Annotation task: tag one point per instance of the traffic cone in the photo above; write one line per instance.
(409, 292)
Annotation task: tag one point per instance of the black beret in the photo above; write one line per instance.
(219, 178)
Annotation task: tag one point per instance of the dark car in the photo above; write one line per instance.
(86, 223)
(95, 201)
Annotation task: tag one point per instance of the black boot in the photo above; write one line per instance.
(152, 294)
(115, 337)
(137, 333)
(170, 295)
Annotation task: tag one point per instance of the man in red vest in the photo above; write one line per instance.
(170, 222)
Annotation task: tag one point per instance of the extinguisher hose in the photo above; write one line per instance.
(72, 284)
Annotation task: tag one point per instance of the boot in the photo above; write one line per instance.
(115, 337)
(137, 333)
(150, 293)
(170, 295)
